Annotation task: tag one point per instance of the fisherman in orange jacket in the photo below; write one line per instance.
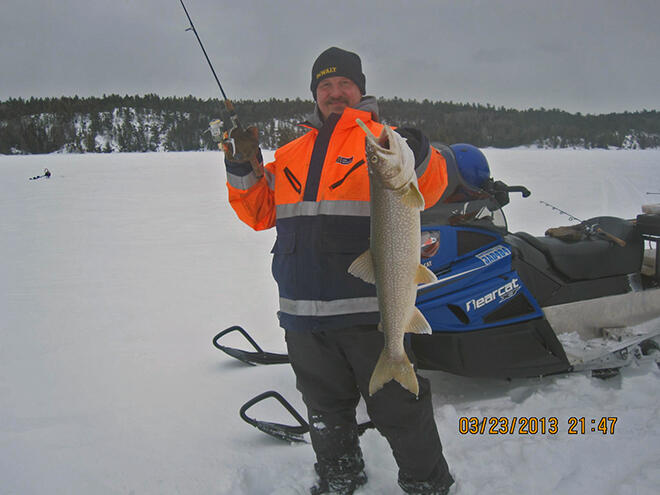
(316, 194)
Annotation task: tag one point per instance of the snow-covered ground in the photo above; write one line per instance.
(116, 273)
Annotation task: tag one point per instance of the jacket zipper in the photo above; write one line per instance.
(341, 181)
(317, 159)
(295, 183)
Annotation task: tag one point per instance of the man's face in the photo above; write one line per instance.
(334, 94)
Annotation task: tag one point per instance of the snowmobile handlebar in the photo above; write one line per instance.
(500, 187)
(521, 189)
(500, 192)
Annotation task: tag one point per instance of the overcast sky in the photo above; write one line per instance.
(589, 56)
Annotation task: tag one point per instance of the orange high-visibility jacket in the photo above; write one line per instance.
(316, 192)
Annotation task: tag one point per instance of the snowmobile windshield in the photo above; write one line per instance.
(462, 203)
(480, 211)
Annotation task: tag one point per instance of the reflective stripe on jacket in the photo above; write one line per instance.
(316, 193)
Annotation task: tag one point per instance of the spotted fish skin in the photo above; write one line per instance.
(392, 262)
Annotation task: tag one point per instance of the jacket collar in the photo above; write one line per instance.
(368, 104)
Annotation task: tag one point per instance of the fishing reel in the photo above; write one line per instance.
(222, 137)
(215, 127)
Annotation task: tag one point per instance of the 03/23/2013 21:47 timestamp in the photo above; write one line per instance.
(535, 425)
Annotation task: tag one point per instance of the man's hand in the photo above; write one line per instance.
(241, 145)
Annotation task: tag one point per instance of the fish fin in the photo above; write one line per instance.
(418, 323)
(363, 267)
(412, 197)
(424, 275)
(388, 369)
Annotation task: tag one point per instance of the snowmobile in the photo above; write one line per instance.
(512, 305)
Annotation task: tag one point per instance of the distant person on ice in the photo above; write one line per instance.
(46, 174)
(316, 193)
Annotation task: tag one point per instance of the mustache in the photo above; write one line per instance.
(331, 101)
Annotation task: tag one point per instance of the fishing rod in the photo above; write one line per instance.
(215, 126)
(589, 229)
(561, 212)
(228, 104)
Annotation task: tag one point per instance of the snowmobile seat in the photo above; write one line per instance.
(648, 224)
(594, 257)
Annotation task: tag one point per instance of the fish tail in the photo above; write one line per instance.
(388, 368)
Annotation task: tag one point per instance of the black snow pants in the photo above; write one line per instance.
(333, 369)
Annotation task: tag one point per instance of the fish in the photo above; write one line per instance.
(392, 261)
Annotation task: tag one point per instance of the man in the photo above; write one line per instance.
(316, 193)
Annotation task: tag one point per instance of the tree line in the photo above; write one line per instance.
(152, 123)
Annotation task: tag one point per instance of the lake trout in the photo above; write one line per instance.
(392, 262)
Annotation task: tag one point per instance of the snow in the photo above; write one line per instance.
(117, 272)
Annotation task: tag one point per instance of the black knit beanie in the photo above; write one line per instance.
(337, 62)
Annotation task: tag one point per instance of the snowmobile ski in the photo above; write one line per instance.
(249, 357)
(617, 348)
(288, 433)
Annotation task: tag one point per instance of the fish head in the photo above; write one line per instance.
(389, 158)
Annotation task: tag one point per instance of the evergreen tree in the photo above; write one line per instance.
(148, 123)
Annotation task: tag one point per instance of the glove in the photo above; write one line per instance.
(245, 144)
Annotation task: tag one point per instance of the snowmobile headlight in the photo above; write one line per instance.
(430, 243)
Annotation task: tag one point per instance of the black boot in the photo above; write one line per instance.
(433, 486)
(339, 458)
(341, 478)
